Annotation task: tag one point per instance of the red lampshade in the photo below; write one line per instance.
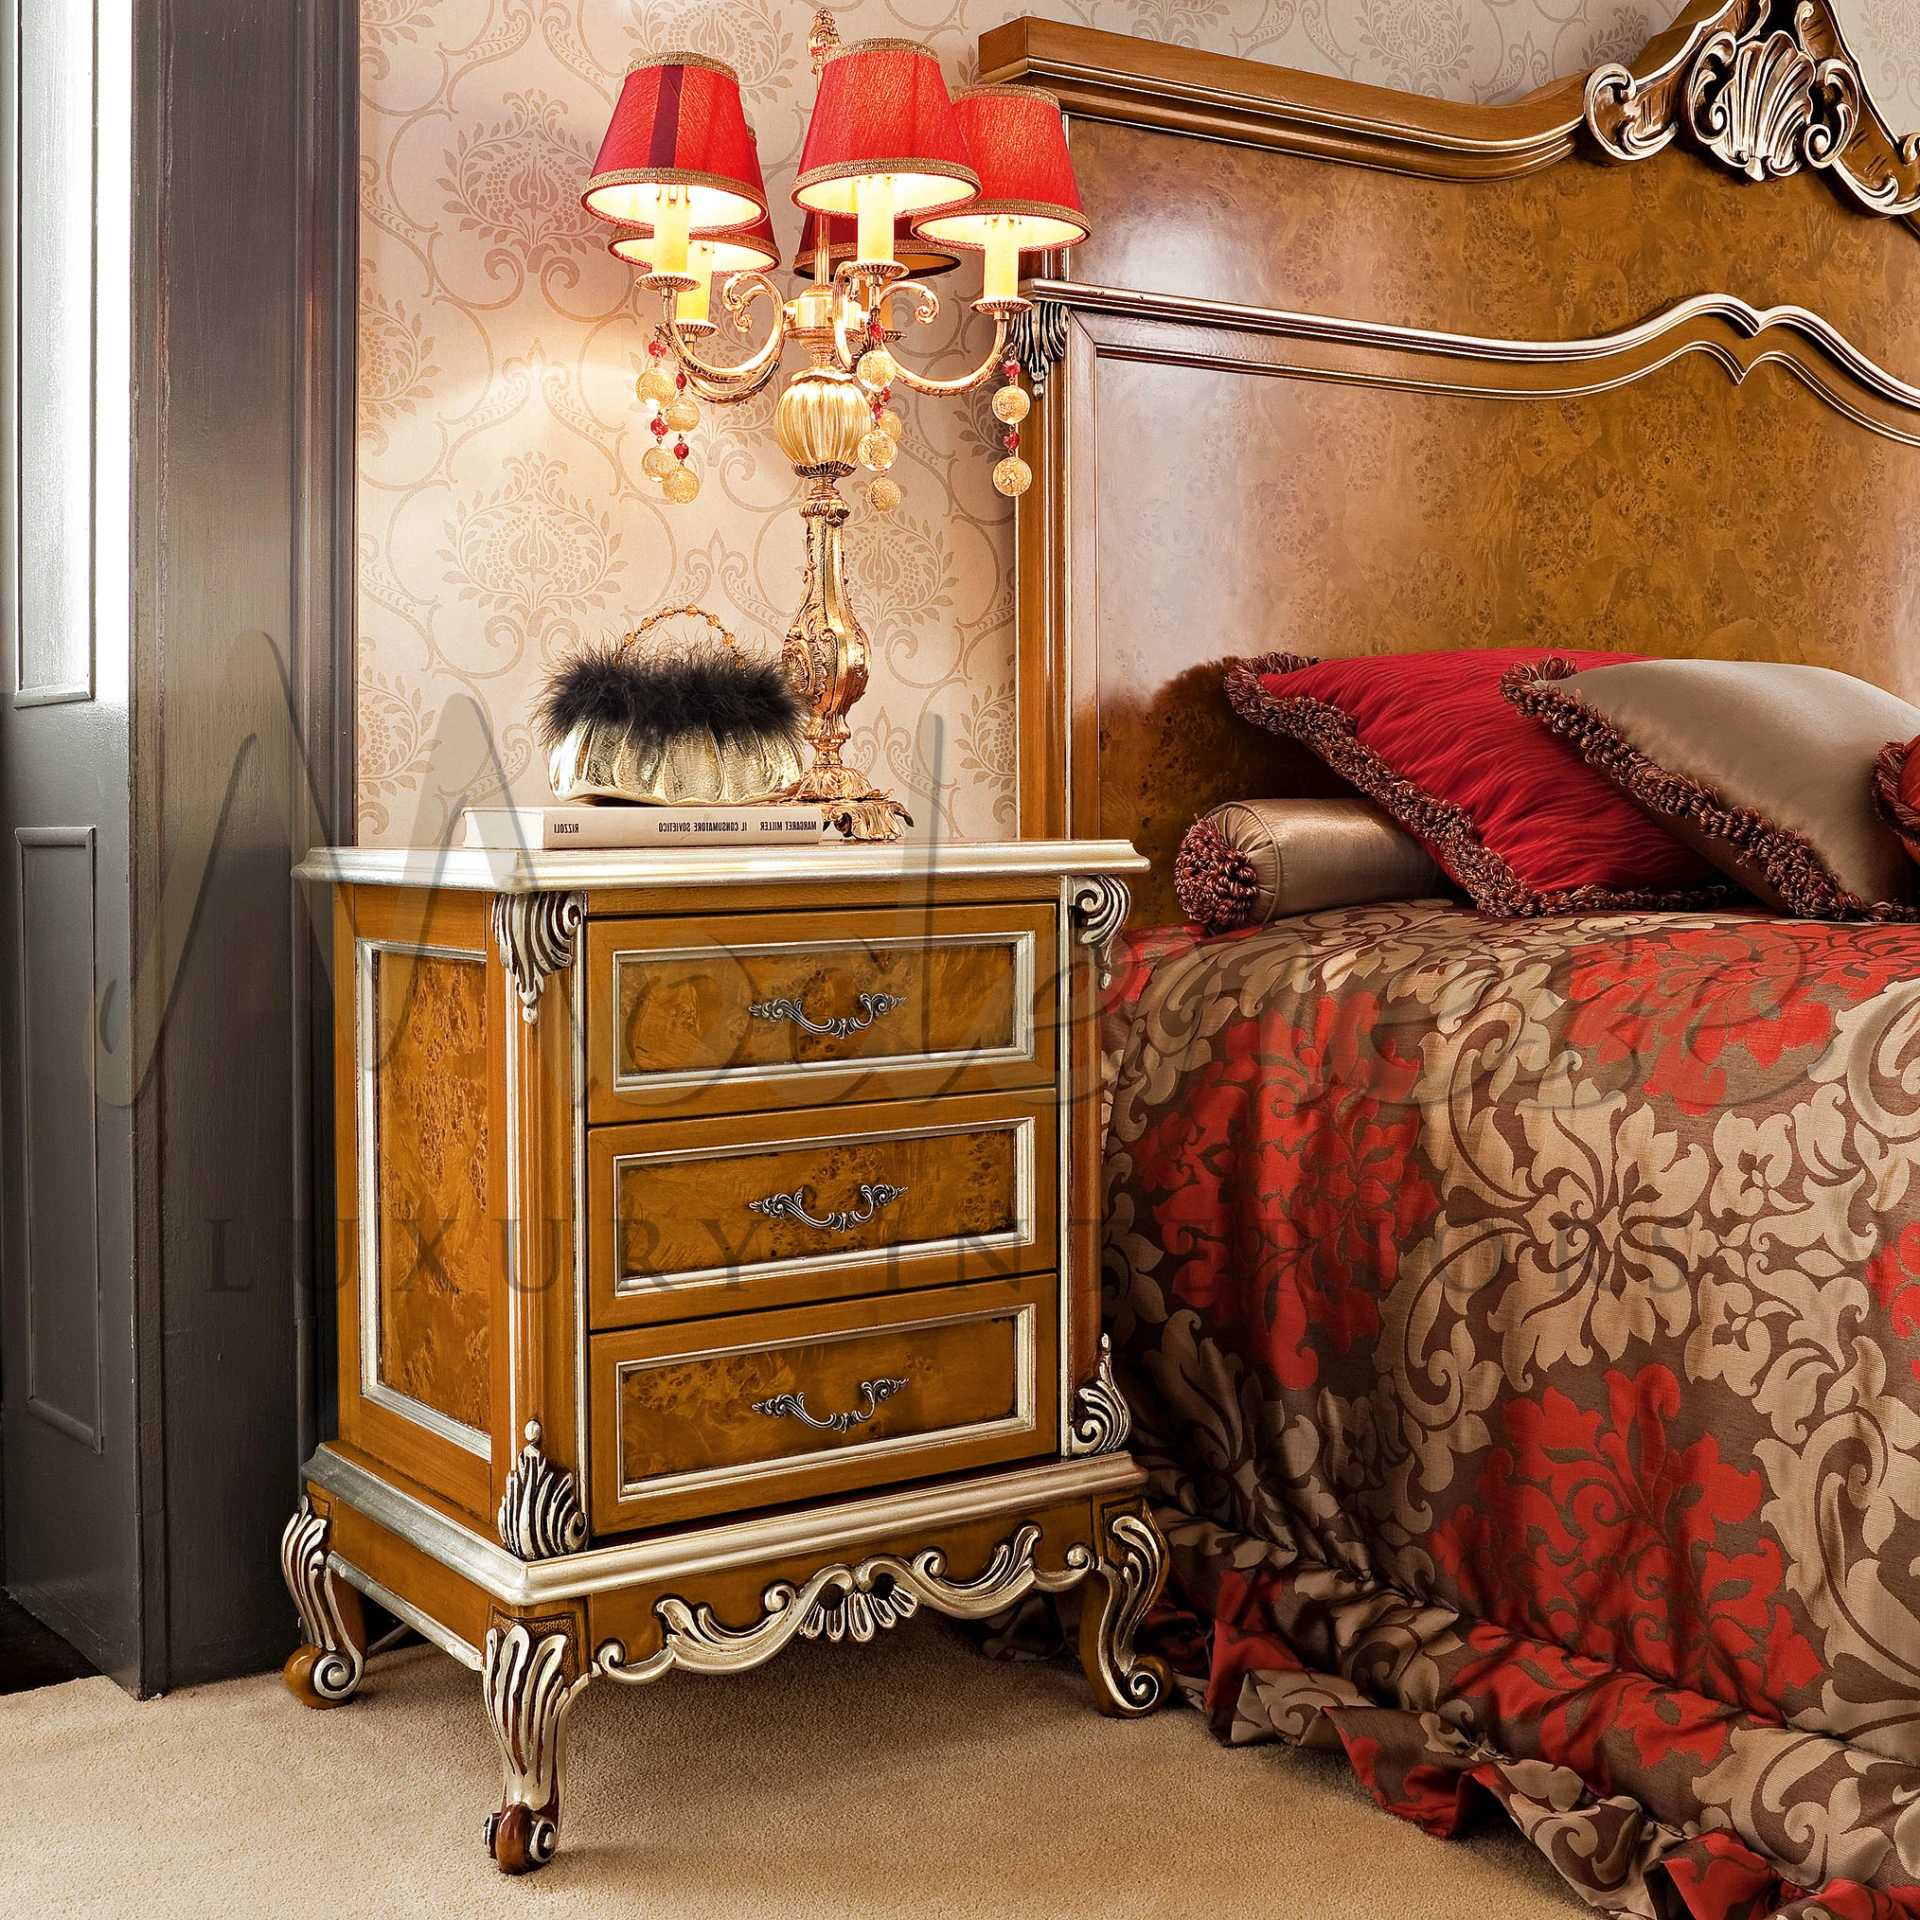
(1019, 145)
(883, 110)
(734, 251)
(678, 123)
(921, 258)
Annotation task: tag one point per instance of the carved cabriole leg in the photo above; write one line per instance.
(325, 1672)
(531, 1673)
(1132, 1570)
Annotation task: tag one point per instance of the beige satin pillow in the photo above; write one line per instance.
(1764, 768)
(1251, 861)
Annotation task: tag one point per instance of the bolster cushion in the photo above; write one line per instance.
(1251, 861)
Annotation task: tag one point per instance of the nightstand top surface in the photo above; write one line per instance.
(512, 870)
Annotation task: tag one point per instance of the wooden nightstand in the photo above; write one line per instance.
(719, 1264)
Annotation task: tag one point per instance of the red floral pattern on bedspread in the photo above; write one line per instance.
(1523, 1326)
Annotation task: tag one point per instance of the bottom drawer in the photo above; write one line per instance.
(709, 1416)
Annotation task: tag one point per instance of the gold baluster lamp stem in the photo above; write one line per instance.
(839, 317)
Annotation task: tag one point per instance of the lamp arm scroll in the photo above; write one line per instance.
(743, 380)
(967, 382)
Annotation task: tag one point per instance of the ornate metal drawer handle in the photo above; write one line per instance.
(793, 1406)
(793, 1206)
(873, 1006)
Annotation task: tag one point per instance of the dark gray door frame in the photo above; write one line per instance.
(242, 284)
(245, 276)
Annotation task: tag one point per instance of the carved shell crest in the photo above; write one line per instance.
(1767, 108)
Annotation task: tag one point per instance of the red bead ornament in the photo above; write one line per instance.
(1010, 371)
(659, 428)
(681, 450)
(1010, 440)
(655, 350)
(680, 381)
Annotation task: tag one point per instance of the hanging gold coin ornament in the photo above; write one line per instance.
(682, 484)
(1012, 476)
(879, 448)
(877, 368)
(655, 385)
(657, 463)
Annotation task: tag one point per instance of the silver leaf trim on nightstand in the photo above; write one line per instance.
(540, 1516)
(536, 934)
(1100, 906)
(695, 1640)
(1101, 1419)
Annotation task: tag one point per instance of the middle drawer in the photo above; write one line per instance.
(694, 1218)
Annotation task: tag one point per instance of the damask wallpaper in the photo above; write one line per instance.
(502, 513)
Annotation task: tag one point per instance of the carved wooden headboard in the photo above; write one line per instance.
(1345, 370)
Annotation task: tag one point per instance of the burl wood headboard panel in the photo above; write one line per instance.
(1348, 371)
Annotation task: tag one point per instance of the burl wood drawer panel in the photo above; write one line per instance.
(723, 1216)
(745, 1012)
(712, 1416)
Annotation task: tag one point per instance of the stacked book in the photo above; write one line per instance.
(543, 829)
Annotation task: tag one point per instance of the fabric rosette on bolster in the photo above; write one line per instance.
(694, 725)
(1896, 791)
(1251, 861)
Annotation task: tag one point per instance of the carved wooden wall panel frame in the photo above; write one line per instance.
(1675, 202)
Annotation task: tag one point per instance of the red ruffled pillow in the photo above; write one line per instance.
(1514, 816)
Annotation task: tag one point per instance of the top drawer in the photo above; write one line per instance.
(747, 1011)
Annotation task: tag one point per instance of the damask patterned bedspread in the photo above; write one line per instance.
(1523, 1325)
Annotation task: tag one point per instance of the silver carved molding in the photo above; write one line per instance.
(1101, 1419)
(540, 1515)
(1100, 909)
(1037, 339)
(337, 1670)
(1729, 330)
(1770, 91)
(528, 1696)
(879, 1592)
(536, 933)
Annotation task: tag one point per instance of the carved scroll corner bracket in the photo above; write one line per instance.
(1037, 339)
(535, 933)
(1100, 907)
(1101, 1419)
(540, 1516)
(1767, 100)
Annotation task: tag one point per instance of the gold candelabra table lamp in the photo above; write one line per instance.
(894, 174)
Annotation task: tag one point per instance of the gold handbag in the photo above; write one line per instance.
(602, 760)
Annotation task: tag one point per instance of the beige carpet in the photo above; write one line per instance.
(910, 1777)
